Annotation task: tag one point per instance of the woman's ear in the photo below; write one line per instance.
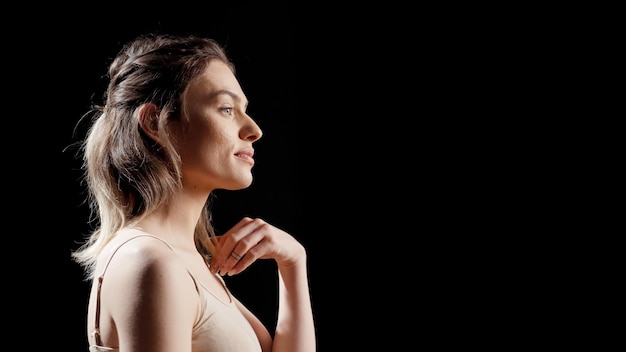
(148, 115)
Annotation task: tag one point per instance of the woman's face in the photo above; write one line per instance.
(216, 145)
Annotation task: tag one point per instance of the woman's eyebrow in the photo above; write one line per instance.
(226, 92)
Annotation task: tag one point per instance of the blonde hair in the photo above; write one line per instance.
(127, 174)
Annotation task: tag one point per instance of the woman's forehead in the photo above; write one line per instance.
(217, 79)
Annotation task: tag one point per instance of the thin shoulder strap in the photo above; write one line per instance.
(96, 332)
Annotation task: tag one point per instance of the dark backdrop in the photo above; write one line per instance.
(375, 156)
(67, 61)
(326, 168)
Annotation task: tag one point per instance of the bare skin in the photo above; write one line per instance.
(148, 300)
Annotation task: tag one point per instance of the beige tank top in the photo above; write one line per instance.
(221, 326)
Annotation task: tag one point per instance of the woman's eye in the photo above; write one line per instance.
(227, 111)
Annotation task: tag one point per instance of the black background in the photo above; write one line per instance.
(379, 155)
(326, 169)
(65, 64)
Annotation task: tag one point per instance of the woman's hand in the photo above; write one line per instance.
(252, 239)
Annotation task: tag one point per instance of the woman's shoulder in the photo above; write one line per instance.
(140, 277)
(136, 240)
(135, 255)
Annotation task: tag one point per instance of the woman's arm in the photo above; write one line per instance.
(253, 239)
(295, 330)
(149, 298)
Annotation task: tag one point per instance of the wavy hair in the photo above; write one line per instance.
(127, 174)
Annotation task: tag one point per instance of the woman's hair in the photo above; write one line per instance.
(129, 175)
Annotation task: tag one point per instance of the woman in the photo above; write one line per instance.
(173, 128)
